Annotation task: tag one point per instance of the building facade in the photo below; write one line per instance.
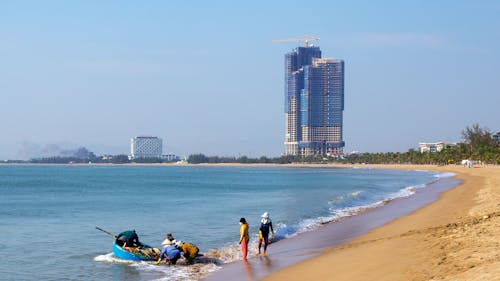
(435, 146)
(145, 147)
(314, 103)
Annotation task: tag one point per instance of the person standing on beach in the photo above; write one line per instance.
(244, 237)
(265, 225)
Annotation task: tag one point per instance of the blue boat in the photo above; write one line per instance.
(145, 253)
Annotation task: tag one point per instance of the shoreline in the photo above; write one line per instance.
(453, 238)
(308, 245)
(401, 166)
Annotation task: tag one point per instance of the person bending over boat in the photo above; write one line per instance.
(128, 239)
(170, 253)
(265, 225)
(190, 251)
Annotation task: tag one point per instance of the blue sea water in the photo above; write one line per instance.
(48, 213)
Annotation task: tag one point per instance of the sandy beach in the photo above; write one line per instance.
(454, 238)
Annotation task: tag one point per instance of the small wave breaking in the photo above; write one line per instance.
(336, 214)
(182, 271)
(445, 175)
(214, 258)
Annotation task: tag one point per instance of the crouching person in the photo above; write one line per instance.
(170, 253)
(190, 251)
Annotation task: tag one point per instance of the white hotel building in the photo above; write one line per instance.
(435, 146)
(145, 147)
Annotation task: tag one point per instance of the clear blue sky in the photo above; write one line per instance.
(205, 76)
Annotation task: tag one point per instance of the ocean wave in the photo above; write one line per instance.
(345, 198)
(226, 254)
(177, 272)
(445, 175)
(420, 170)
(181, 271)
(232, 252)
(364, 168)
(405, 192)
(190, 273)
(110, 257)
(336, 214)
(213, 259)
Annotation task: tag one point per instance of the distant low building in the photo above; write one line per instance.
(435, 146)
(145, 147)
(107, 157)
(353, 153)
(170, 157)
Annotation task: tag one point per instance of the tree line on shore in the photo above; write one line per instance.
(108, 159)
(479, 144)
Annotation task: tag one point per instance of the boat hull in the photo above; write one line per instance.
(136, 255)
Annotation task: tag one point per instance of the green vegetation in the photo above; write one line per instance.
(479, 145)
(201, 158)
(109, 159)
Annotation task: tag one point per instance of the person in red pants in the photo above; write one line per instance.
(244, 238)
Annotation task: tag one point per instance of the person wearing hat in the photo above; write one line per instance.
(190, 250)
(265, 225)
(244, 237)
(170, 252)
(168, 241)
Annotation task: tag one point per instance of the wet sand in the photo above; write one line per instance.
(363, 256)
(454, 238)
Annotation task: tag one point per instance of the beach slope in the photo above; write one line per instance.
(454, 238)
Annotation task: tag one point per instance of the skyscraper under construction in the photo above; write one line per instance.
(314, 103)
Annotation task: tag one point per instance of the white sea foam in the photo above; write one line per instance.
(181, 271)
(344, 197)
(233, 253)
(364, 168)
(177, 272)
(405, 192)
(445, 175)
(213, 259)
(286, 231)
(356, 193)
(419, 170)
(110, 257)
(189, 273)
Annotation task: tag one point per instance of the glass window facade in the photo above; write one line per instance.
(314, 103)
(145, 147)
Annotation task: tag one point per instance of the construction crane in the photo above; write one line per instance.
(306, 39)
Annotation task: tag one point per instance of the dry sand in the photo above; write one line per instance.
(454, 238)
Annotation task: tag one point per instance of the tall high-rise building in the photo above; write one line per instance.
(145, 147)
(314, 103)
